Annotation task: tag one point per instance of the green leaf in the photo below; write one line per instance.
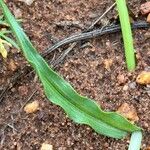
(127, 34)
(4, 23)
(9, 40)
(80, 109)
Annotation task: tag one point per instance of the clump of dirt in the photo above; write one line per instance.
(85, 68)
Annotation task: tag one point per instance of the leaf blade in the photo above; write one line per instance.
(60, 92)
(9, 40)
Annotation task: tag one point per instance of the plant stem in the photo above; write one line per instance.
(135, 141)
(127, 34)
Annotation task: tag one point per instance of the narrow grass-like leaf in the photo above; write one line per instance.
(135, 142)
(2, 32)
(9, 40)
(127, 34)
(3, 23)
(80, 109)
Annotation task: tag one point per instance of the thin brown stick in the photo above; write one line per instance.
(9, 85)
(99, 18)
(63, 55)
(29, 98)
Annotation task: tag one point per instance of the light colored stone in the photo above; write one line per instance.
(28, 2)
(132, 85)
(145, 8)
(128, 111)
(46, 146)
(143, 77)
(31, 107)
(18, 13)
(125, 87)
(108, 63)
(121, 79)
(148, 18)
(12, 65)
(23, 90)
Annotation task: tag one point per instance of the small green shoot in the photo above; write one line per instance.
(127, 34)
(4, 39)
(135, 142)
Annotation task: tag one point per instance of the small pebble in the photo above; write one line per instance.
(125, 88)
(12, 65)
(63, 148)
(121, 79)
(145, 8)
(31, 107)
(148, 18)
(46, 146)
(23, 90)
(147, 35)
(108, 63)
(28, 2)
(143, 78)
(128, 111)
(132, 85)
(18, 13)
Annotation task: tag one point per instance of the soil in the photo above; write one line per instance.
(83, 67)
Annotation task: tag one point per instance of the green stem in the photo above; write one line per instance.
(127, 34)
(135, 141)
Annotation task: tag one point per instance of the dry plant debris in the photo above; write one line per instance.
(3, 50)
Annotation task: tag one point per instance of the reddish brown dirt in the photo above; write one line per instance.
(83, 68)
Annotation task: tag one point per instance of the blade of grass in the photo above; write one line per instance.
(9, 40)
(5, 31)
(4, 23)
(80, 109)
(127, 34)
